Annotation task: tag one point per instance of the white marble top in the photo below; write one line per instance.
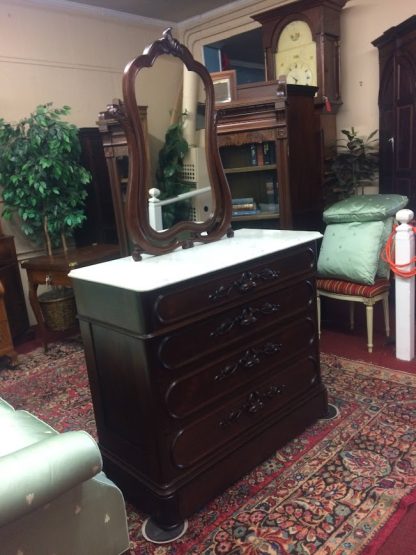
(154, 272)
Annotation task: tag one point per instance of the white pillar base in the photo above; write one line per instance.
(405, 288)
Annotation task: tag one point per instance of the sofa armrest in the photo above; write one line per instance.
(37, 474)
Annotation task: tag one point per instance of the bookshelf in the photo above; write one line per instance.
(251, 171)
(270, 146)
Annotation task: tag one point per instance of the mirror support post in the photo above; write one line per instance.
(189, 104)
(155, 210)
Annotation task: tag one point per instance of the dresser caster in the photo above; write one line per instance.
(155, 534)
(331, 412)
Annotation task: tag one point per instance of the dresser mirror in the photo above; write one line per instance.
(204, 212)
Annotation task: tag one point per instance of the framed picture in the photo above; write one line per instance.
(225, 86)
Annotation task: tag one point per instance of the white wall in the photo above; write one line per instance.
(363, 21)
(55, 52)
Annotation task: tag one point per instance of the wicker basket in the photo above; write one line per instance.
(58, 308)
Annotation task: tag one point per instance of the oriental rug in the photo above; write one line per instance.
(332, 490)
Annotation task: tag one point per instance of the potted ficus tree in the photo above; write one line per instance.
(41, 178)
(169, 172)
(44, 184)
(353, 165)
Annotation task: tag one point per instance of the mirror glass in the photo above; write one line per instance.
(175, 100)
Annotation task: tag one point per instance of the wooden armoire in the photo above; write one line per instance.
(397, 108)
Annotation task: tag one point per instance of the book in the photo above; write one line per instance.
(247, 206)
(266, 153)
(242, 200)
(244, 212)
(269, 153)
(253, 155)
(271, 192)
(260, 155)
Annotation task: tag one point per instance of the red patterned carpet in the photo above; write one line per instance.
(330, 491)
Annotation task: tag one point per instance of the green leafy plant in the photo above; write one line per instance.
(41, 177)
(169, 174)
(353, 165)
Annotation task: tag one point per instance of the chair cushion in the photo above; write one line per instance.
(356, 289)
(351, 251)
(364, 208)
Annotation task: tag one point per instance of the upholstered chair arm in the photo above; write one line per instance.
(35, 475)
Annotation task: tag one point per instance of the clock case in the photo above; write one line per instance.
(323, 18)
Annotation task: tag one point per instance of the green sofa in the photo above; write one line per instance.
(54, 498)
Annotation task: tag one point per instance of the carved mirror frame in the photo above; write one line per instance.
(144, 237)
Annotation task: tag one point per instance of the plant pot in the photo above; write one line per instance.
(58, 308)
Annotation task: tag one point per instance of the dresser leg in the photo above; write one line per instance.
(155, 534)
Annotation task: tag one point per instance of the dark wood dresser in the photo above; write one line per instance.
(202, 363)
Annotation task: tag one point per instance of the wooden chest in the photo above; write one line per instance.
(201, 364)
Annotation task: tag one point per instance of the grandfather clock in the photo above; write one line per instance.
(302, 40)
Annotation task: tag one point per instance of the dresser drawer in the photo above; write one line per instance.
(240, 367)
(213, 335)
(244, 282)
(206, 435)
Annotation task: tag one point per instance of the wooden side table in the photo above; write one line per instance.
(54, 270)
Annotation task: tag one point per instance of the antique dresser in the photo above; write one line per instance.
(202, 363)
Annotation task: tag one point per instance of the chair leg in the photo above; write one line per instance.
(318, 309)
(369, 314)
(386, 315)
(351, 306)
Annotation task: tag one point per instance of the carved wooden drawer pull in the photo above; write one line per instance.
(250, 358)
(255, 403)
(247, 317)
(246, 282)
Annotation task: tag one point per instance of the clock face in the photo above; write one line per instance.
(293, 35)
(299, 74)
(296, 54)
